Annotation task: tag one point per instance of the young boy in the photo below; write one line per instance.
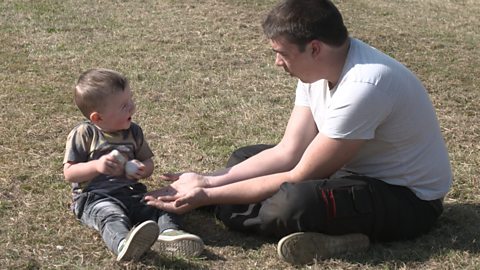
(106, 196)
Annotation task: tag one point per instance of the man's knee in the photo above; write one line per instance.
(288, 210)
(239, 217)
(245, 152)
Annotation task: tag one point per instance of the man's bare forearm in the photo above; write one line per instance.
(267, 162)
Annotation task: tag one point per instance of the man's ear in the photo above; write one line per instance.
(95, 117)
(315, 47)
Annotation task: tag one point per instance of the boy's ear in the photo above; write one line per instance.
(95, 117)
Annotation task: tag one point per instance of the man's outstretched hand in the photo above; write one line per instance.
(167, 194)
(183, 195)
(178, 203)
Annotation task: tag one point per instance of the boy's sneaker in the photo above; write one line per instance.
(306, 247)
(138, 241)
(178, 243)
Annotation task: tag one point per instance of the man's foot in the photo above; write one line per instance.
(306, 247)
(179, 243)
(138, 241)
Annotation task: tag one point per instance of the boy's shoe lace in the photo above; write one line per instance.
(138, 241)
(307, 247)
(178, 243)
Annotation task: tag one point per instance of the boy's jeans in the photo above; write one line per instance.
(113, 215)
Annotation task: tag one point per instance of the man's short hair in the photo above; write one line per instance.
(301, 21)
(94, 86)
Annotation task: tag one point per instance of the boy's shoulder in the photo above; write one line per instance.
(134, 126)
(85, 127)
(136, 130)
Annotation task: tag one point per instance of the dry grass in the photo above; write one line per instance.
(205, 84)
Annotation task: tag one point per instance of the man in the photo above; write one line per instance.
(362, 157)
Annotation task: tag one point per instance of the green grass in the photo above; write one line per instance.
(205, 83)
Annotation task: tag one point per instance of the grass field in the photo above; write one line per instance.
(204, 83)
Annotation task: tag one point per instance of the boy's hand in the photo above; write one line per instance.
(134, 169)
(109, 165)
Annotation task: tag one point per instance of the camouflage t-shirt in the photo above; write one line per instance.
(87, 142)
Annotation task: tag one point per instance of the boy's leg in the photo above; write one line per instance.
(139, 211)
(106, 217)
(172, 240)
(138, 241)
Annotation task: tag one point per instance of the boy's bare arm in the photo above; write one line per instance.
(86, 171)
(149, 166)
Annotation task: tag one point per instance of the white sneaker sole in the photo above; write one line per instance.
(188, 245)
(307, 247)
(141, 238)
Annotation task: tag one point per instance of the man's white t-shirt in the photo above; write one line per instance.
(379, 100)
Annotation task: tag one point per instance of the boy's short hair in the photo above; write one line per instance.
(301, 21)
(94, 86)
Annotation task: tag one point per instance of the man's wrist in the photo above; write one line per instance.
(207, 182)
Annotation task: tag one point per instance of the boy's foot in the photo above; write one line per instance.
(138, 241)
(179, 243)
(306, 247)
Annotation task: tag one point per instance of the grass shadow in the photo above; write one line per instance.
(456, 230)
(153, 259)
(215, 233)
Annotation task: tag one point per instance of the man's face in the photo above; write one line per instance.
(288, 56)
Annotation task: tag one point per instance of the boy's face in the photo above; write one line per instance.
(117, 113)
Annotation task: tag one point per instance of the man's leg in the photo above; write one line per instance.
(347, 205)
(336, 217)
(322, 218)
(240, 217)
(307, 206)
(246, 152)
(354, 204)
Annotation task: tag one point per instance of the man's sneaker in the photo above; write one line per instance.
(178, 243)
(307, 247)
(138, 241)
